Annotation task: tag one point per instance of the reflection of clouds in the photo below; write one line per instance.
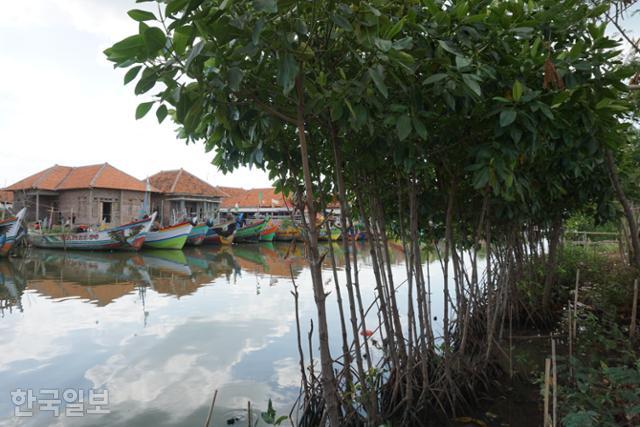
(287, 372)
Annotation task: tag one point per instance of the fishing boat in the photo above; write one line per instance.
(268, 233)
(11, 232)
(172, 237)
(129, 236)
(197, 235)
(251, 232)
(334, 234)
(220, 234)
(287, 231)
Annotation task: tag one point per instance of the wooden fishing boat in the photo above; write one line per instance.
(220, 234)
(129, 236)
(197, 235)
(268, 233)
(250, 233)
(287, 231)
(173, 237)
(334, 234)
(11, 232)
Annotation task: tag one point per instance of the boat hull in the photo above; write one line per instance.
(221, 234)
(197, 235)
(11, 232)
(125, 237)
(173, 237)
(250, 233)
(268, 233)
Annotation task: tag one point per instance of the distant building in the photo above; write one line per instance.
(6, 201)
(182, 194)
(84, 195)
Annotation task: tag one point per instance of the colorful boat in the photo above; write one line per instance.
(287, 231)
(197, 235)
(250, 232)
(172, 237)
(268, 233)
(125, 237)
(11, 232)
(334, 235)
(220, 234)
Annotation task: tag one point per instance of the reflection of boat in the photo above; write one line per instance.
(172, 237)
(197, 235)
(126, 237)
(167, 261)
(11, 232)
(268, 233)
(11, 287)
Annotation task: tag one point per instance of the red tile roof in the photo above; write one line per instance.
(232, 191)
(6, 196)
(257, 197)
(182, 182)
(67, 178)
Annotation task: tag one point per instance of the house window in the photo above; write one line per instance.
(106, 212)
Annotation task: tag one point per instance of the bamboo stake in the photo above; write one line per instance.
(554, 383)
(570, 322)
(634, 310)
(547, 368)
(213, 402)
(575, 306)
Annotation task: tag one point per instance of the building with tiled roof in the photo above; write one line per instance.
(85, 195)
(255, 200)
(6, 201)
(182, 194)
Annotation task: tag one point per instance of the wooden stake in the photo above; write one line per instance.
(575, 306)
(547, 368)
(249, 412)
(554, 383)
(213, 402)
(570, 322)
(634, 310)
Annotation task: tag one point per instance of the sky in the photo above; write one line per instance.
(61, 101)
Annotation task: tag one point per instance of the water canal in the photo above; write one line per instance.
(161, 330)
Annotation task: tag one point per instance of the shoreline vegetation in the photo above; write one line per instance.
(482, 126)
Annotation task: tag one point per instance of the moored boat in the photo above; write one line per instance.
(250, 233)
(268, 233)
(172, 237)
(197, 235)
(129, 236)
(334, 234)
(220, 234)
(11, 232)
(287, 231)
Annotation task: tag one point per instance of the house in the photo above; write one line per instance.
(182, 194)
(85, 195)
(6, 201)
(257, 201)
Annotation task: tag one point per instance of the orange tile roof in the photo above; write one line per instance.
(59, 177)
(251, 199)
(232, 191)
(6, 196)
(182, 182)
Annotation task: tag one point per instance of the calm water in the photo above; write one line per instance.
(161, 330)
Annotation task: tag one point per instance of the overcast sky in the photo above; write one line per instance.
(62, 102)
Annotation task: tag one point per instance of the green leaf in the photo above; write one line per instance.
(448, 47)
(235, 77)
(420, 128)
(403, 127)
(181, 37)
(507, 117)
(154, 40)
(131, 46)
(161, 113)
(287, 71)
(269, 6)
(433, 78)
(382, 44)
(377, 75)
(143, 109)
(141, 15)
(472, 84)
(462, 62)
(516, 90)
(175, 6)
(342, 22)
(132, 73)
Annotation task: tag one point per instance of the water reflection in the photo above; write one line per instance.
(159, 329)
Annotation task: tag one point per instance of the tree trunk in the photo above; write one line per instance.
(329, 387)
(551, 265)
